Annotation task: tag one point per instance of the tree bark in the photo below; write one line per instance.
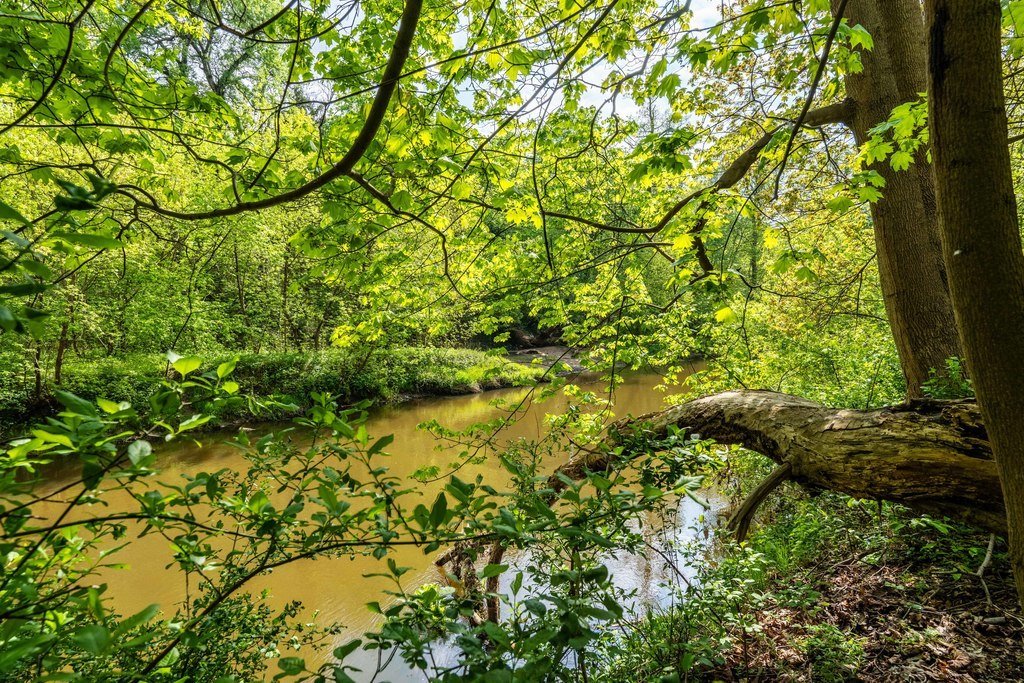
(909, 250)
(58, 358)
(980, 233)
(932, 456)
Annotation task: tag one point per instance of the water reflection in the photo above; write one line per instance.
(338, 589)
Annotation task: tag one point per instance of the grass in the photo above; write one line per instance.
(382, 376)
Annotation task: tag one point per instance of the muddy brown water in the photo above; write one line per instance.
(337, 590)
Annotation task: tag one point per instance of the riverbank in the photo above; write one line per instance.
(382, 376)
(828, 589)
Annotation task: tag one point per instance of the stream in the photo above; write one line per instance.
(338, 589)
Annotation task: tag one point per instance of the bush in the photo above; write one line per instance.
(384, 375)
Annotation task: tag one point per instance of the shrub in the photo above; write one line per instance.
(379, 375)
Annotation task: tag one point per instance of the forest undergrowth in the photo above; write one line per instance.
(830, 589)
(379, 375)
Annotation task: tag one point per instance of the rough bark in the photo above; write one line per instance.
(905, 220)
(932, 456)
(739, 522)
(980, 232)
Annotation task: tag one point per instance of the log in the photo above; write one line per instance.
(929, 455)
(932, 456)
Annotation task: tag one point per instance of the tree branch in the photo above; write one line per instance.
(378, 109)
(822, 61)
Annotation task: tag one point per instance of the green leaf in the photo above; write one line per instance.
(108, 407)
(75, 404)
(840, 204)
(291, 666)
(50, 437)
(493, 570)
(226, 368)
(73, 204)
(461, 190)
(24, 289)
(136, 619)
(401, 200)
(860, 36)
(8, 213)
(139, 451)
(94, 639)
(88, 240)
(439, 511)
(195, 421)
(381, 443)
(187, 364)
(348, 648)
(901, 160)
(258, 502)
(37, 268)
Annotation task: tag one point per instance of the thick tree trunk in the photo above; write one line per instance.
(905, 221)
(980, 233)
(932, 456)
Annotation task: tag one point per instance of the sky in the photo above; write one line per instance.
(705, 13)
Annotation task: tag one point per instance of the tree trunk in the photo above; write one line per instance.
(909, 250)
(932, 456)
(980, 232)
(58, 358)
(37, 370)
(63, 340)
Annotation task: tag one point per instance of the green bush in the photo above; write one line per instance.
(384, 375)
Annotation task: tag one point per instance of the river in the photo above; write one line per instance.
(337, 588)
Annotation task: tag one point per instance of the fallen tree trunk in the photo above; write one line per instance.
(932, 456)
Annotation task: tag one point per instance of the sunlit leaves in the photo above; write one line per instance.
(725, 315)
(9, 213)
(187, 365)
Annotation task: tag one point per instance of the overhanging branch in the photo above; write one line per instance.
(378, 109)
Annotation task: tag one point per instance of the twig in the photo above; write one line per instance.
(840, 11)
(985, 565)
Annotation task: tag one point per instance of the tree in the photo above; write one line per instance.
(980, 231)
(905, 222)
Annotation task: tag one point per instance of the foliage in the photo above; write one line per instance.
(752, 608)
(290, 378)
(324, 198)
(952, 383)
(326, 495)
(833, 657)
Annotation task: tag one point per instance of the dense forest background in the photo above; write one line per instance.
(214, 209)
(456, 233)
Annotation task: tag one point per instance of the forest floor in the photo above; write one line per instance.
(826, 590)
(890, 621)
